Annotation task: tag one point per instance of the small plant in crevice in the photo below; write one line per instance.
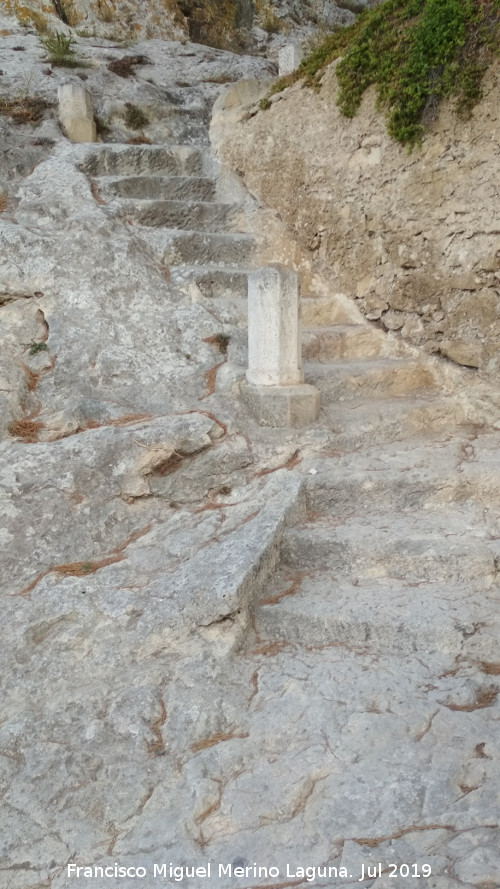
(105, 11)
(218, 78)
(37, 347)
(25, 109)
(35, 19)
(59, 49)
(220, 340)
(271, 22)
(43, 142)
(214, 22)
(124, 67)
(139, 140)
(134, 118)
(102, 128)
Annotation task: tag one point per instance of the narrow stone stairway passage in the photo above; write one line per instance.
(354, 720)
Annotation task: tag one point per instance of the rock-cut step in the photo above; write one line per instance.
(213, 281)
(194, 215)
(437, 485)
(355, 424)
(427, 546)
(169, 188)
(379, 377)
(381, 614)
(338, 342)
(142, 160)
(175, 247)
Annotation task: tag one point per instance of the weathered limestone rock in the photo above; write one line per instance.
(469, 354)
(76, 114)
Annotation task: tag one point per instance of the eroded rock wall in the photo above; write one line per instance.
(116, 19)
(252, 26)
(414, 238)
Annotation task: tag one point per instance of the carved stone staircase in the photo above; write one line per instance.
(395, 553)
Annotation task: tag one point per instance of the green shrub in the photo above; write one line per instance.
(416, 52)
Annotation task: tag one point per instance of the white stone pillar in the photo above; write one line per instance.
(289, 58)
(76, 114)
(274, 347)
(275, 392)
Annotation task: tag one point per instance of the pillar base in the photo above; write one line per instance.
(80, 130)
(282, 405)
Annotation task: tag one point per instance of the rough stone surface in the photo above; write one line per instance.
(252, 27)
(225, 643)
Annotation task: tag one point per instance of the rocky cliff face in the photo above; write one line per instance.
(414, 238)
(245, 25)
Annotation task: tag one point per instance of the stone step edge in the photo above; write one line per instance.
(309, 617)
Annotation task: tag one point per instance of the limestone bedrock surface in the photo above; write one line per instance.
(224, 643)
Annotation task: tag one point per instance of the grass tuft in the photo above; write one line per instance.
(60, 51)
(105, 11)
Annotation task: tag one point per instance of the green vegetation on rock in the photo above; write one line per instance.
(416, 52)
(213, 22)
(59, 48)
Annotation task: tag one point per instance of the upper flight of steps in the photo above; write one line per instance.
(188, 210)
(394, 546)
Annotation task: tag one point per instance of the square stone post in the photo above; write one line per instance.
(76, 114)
(274, 350)
(275, 390)
(289, 58)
